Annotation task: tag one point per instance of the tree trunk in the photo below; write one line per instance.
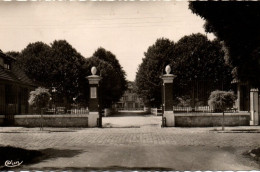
(223, 122)
(41, 127)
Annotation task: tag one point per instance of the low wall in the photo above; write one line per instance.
(2, 117)
(109, 111)
(211, 119)
(50, 120)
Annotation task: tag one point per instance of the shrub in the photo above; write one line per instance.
(219, 101)
(39, 98)
(184, 101)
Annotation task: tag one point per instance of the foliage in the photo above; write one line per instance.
(184, 101)
(148, 79)
(219, 101)
(197, 57)
(36, 61)
(199, 62)
(237, 24)
(66, 69)
(121, 82)
(109, 89)
(57, 66)
(61, 66)
(39, 98)
(192, 58)
(14, 54)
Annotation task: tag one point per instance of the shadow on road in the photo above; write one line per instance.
(27, 157)
(110, 168)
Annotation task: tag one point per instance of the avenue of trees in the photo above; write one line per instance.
(60, 66)
(237, 25)
(193, 57)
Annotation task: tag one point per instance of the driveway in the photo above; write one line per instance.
(131, 119)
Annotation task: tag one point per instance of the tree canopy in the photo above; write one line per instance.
(197, 58)
(36, 61)
(118, 83)
(193, 57)
(148, 80)
(66, 68)
(59, 65)
(237, 24)
(39, 98)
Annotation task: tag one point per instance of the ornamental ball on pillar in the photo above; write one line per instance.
(93, 70)
(168, 69)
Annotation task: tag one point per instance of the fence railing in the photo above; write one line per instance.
(120, 109)
(63, 110)
(199, 109)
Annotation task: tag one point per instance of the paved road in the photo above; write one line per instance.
(146, 146)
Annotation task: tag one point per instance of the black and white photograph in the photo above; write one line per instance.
(129, 85)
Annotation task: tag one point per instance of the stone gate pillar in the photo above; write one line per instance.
(94, 120)
(254, 118)
(168, 98)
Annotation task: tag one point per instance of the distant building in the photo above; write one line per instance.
(130, 100)
(14, 87)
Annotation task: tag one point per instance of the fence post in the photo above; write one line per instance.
(254, 107)
(168, 98)
(94, 114)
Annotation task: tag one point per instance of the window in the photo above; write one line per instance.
(7, 65)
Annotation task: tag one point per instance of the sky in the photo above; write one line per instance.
(126, 29)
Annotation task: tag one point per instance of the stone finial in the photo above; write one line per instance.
(168, 69)
(93, 70)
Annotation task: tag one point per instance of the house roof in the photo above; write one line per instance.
(15, 74)
(6, 56)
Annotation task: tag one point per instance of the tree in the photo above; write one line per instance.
(237, 24)
(57, 66)
(109, 85)
(40, 99)
(36, 61)
(148, 79)
(14, 54)
(66, 69)
(197, 61)
(121, 82)
(220, 101)
(192, 58)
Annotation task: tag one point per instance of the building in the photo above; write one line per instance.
(130, 100)
(14, 87)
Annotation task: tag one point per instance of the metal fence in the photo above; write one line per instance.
(192, 96)
(199, 109)
(196, 92)
(63, 110)
(129, 109)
